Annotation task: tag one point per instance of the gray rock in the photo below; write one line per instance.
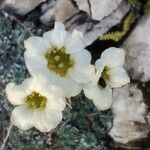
(57, 10)
(103, 8)
(84, 5)
(21, 7)
(72, 17)
(137, 47)
(148, 117)
(130, 114)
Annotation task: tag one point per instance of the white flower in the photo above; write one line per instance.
(109, 74)
(110, 67)
(38, 105)
(60, 57)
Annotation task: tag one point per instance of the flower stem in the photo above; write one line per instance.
(6, 138)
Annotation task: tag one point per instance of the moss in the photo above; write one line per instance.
(135, 3)
(118, 35)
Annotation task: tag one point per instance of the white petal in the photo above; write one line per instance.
(82, 57)
(74, 43)
(16, 94)
(104, 99)
(45, 121)
(65, 84)
(118, 77)
(82, 73)
(59, 26)
(56, 103)
(36, 45)
(90, 90)
(56, 98)
(36, 64)
(78, 34)
(57, 36)
(99, 66)
(22, 117)
(69, 87)
(113, 57)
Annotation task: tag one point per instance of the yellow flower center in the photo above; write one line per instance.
(104, 76)
(58, 61)
(36, 101)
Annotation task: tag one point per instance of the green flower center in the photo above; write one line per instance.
(58, 61)
(104, 76)
(36, 101)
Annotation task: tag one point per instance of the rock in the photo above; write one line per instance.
(20, 7)
(57, 10)
(103, 8)
(137, 47)
(98, 9)
(84, 5)
(148, 117)
(72, 17)
(130, 114)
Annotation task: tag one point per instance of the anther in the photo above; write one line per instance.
(57, 58)
(54, 51)
(61, 65)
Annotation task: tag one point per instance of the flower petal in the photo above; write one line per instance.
(74, 42)
(113, 57)
(56, 103)
(35, 64)
(82, 74)
(83, 71)
(90, 90)
(82, 57)
(118, 77)
(45, 121)
(66, 84)
(22, 117)
(102, 98)
(16, 93)
(69, 87)
(99, 66)
(57, 36)
(36, 45)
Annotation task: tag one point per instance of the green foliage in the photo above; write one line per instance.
(117, 35)
(135, 3)
(67, 137)
(84, 127)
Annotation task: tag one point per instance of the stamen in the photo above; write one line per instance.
(36, 101)
(58, 61)
(105, 74)
(57, 58)
(61, 65)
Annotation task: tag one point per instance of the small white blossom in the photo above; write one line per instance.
(38, 105)
(60, 57)
(109, 74)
